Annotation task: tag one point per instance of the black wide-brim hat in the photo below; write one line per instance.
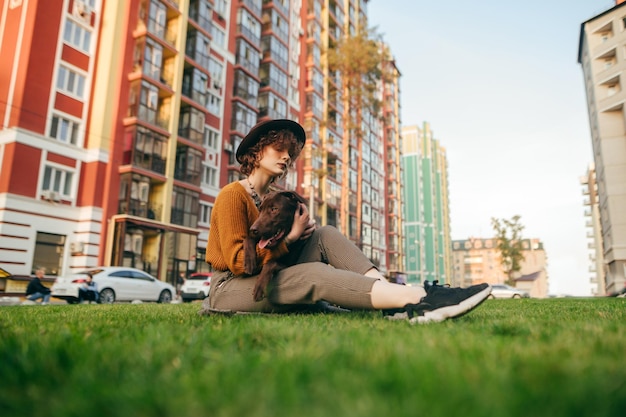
(253, 137)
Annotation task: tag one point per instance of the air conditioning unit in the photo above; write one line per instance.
(228, 146)
(82, 11)
(50, 195)
(217, 83)
(77, 248)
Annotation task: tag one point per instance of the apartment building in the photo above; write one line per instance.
(426, 206)
(120, 121)
(478, 260)
(594, 232)
(603, 61)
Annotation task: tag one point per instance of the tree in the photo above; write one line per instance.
(509, 237)
(358, 59)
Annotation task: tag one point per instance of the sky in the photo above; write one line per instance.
(500, 85)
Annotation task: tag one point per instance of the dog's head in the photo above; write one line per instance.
(275, 218)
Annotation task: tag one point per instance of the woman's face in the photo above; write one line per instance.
(273, 161)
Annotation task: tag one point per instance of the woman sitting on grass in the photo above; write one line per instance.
(327, 266)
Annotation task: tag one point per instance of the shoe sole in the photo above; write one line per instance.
(453, 311)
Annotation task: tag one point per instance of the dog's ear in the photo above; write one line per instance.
(249, 255)
(294, 196)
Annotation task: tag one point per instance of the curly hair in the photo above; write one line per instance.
(280, 140)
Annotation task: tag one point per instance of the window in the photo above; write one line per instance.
(209, 176)
(243, 118)
(221, 6)
(49, 254)
(247, 56)
(156, 19)
(215, 69)
(211, 139)
(205, 213)
(58, 180)
(64, 130)
(153, 54)
(249, 26)
(246, 87)
(69, 81)
(185, 207)
(218, 36)
(76, 36)
(214, 104)
(191, 124)
(188, 165)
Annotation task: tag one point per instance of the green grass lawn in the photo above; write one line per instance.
(556, 357)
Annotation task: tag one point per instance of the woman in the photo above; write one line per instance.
(327, 266)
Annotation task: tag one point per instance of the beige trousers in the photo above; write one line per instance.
(328, 267)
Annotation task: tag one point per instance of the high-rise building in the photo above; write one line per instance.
(426, 206)
(119, 122)
(603, 60)
(594, 231)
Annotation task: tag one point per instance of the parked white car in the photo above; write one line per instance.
(115, 283)
(506, 291)
(196, 287)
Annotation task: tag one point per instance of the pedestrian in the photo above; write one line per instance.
(36, 290)
(88, 291)
(180, 281)
(327, 266)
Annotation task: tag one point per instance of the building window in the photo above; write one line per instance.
(221, 6)
(211, 139)
(210, 177)
(157, 19)
(48, 254)
(243, 118)
(246, 87)
(191, 124)
(247, 56)
(64, 130)
(185, 207)
(216, 69)
(146, 149)
(200, 11)
(198, 48)
(77, 36)
(188, 165)
(58, 180)
(71, 82)
(249, 26)
(214, 104)
(218, 36)
(205, 213)
(153, 55)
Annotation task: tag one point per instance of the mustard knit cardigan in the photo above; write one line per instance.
(233, 214)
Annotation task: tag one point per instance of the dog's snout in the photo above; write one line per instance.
(254, 231)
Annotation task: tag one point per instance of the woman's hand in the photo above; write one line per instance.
(302, 226)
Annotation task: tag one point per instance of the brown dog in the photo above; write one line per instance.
(273, 225)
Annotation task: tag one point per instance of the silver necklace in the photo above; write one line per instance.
(255, 196)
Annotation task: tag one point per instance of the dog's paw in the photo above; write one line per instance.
(258, 293)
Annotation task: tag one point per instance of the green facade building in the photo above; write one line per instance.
(426, 207)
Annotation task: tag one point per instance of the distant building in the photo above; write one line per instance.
(594, 232)
(477, 260)
(426, 207)
(602, 56)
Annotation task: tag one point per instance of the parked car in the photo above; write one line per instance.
(506, 291)
(115, 283)
(196, 287)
